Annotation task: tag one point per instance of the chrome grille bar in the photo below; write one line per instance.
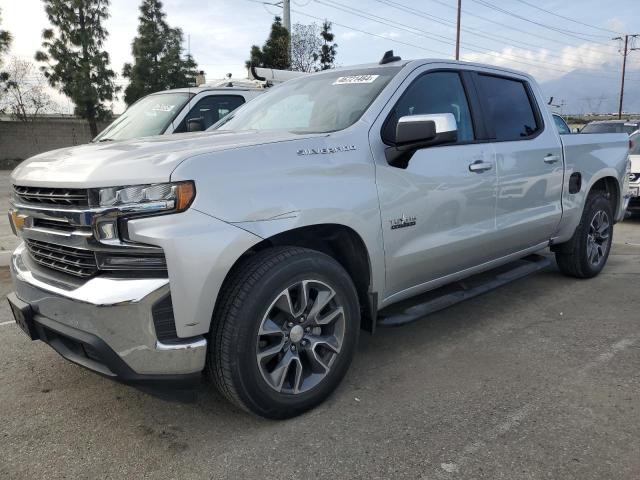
(70, 260)
(52, 196)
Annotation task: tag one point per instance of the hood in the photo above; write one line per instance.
(138, 161)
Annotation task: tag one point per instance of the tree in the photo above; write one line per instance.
(25, 97)
(5, 43)
(76, 63)
(305, 45)
(328, 50)
(157, 53)
(275, 51)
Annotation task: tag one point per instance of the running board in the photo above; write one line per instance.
(418, 307)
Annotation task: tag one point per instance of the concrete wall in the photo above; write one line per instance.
(20, 140)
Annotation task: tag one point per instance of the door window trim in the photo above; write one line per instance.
(473, 105)
(206, 97)
(490, 127)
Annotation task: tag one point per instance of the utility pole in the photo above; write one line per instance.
(624, 66)
(458, 30)
(286, 19)
(286, 15)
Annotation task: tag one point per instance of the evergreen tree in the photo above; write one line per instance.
(275, 51)
(76, 63)
(5, 43)
(328, 50)
(157, 52)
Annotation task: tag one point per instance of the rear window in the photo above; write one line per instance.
(509, 107)
(610, 127)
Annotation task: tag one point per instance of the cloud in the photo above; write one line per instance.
(547, 65)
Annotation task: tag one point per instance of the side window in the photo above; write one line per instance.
(437, 92)
(211, 109)
(509, 107)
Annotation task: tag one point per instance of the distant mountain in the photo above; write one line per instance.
(583, 91)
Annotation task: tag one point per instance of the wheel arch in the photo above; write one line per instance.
(610, 186)
(340, 242)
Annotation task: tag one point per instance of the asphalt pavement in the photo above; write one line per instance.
(539, 379)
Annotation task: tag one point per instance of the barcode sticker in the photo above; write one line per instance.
(352, 79)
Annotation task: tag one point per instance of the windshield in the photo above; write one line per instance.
(612, 127)
(150, 115)
(320, 103)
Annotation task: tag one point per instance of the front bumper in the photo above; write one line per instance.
(106, 324)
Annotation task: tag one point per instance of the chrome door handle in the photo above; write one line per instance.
(479, 166)
(551, 158)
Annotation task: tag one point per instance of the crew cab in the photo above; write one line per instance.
(256, 251)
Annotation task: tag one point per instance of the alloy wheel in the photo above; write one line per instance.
(300, 337)
(598, 237)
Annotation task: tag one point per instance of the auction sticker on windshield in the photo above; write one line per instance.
(351, 79)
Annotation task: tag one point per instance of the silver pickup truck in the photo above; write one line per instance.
(346, 199)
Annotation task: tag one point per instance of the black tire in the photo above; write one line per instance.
(246, 300)
(572, 257)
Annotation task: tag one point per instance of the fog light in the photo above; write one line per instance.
(107, 231)
(142, 261)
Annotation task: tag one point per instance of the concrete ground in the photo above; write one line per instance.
(539, 379)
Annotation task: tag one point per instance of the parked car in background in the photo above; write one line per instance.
(561, 125)
(190, 109)
(256, 252)
(634, 175)
(179, 110)
(611, 126)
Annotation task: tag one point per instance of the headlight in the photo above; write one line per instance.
(175, 197)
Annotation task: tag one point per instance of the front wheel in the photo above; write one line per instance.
(284, 331)
(586, 253)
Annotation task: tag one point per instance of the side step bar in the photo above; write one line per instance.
(418, 307)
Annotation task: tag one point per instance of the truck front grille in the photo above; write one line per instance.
(52, 196)
(74, 261)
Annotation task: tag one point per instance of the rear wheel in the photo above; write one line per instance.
(284, 331)
(586, 253)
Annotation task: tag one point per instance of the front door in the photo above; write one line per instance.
(438, 211)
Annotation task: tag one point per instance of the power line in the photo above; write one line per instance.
(370, 33)
(442, 39)
(493, 37)
(515, 29)
(567, 18)
(562, 31)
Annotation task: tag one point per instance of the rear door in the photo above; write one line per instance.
(528, 159)
(438, 216)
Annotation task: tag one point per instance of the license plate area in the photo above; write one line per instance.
(23, 315)
(634, 191)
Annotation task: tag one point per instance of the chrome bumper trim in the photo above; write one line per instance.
(116, 310)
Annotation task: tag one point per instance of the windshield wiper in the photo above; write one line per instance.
(105, 140)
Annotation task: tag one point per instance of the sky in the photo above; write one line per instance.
(566, 44)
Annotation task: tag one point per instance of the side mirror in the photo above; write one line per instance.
(195, 125)
(418, 131)
(414, 132)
